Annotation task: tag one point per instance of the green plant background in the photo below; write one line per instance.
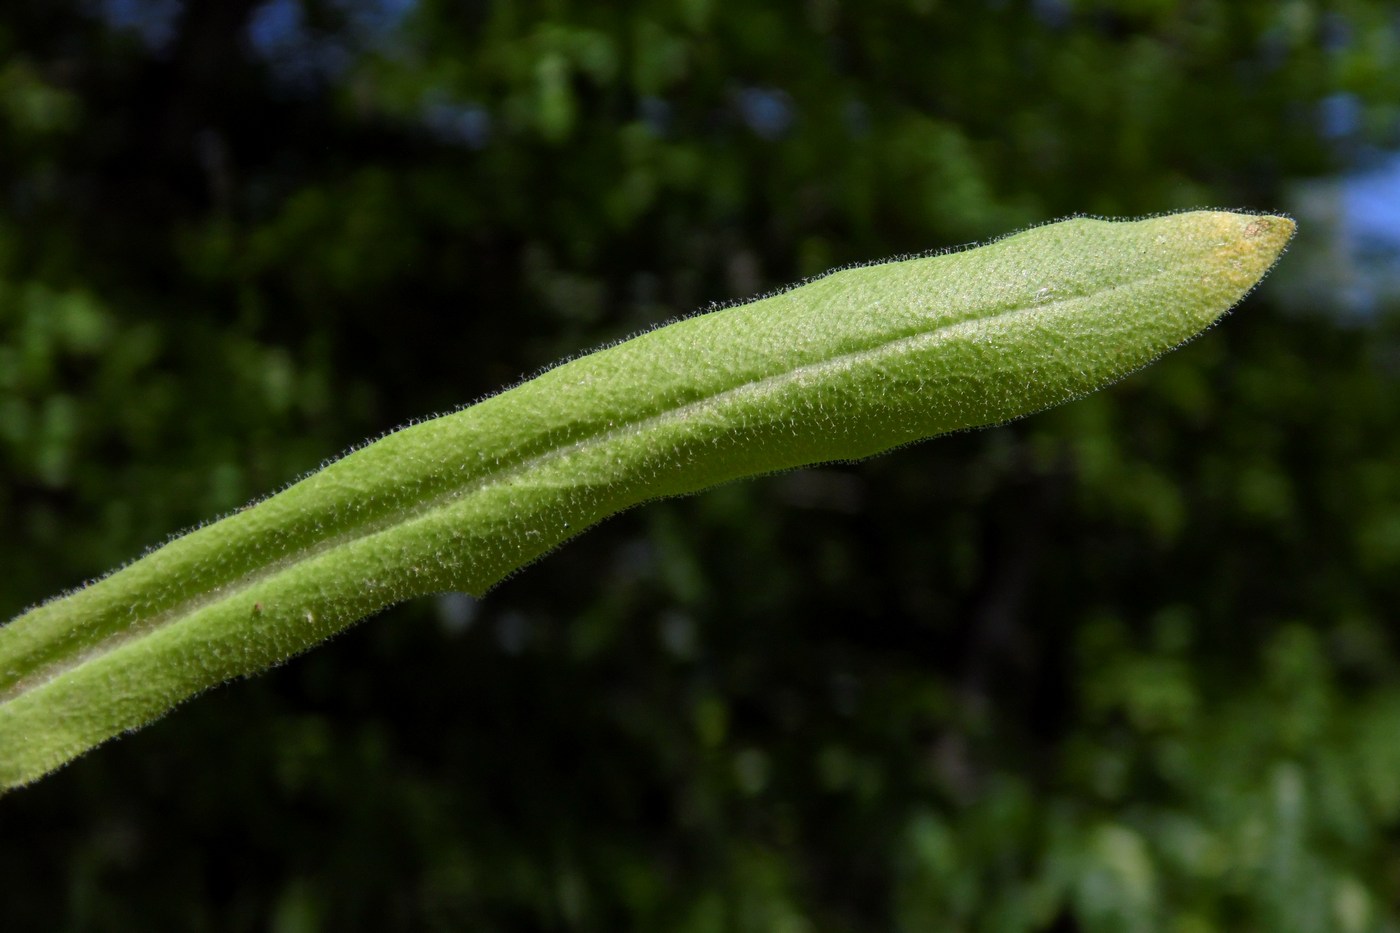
(1129, 665)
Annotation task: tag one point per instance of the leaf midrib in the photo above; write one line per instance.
(405, 515)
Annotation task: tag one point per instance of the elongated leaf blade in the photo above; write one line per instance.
(839, 368)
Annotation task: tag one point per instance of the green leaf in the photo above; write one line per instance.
(840, 368)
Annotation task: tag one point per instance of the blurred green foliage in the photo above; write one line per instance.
(1129, 665)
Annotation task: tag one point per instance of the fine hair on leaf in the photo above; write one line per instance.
(841, 367)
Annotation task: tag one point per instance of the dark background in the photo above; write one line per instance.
(1128, 665)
